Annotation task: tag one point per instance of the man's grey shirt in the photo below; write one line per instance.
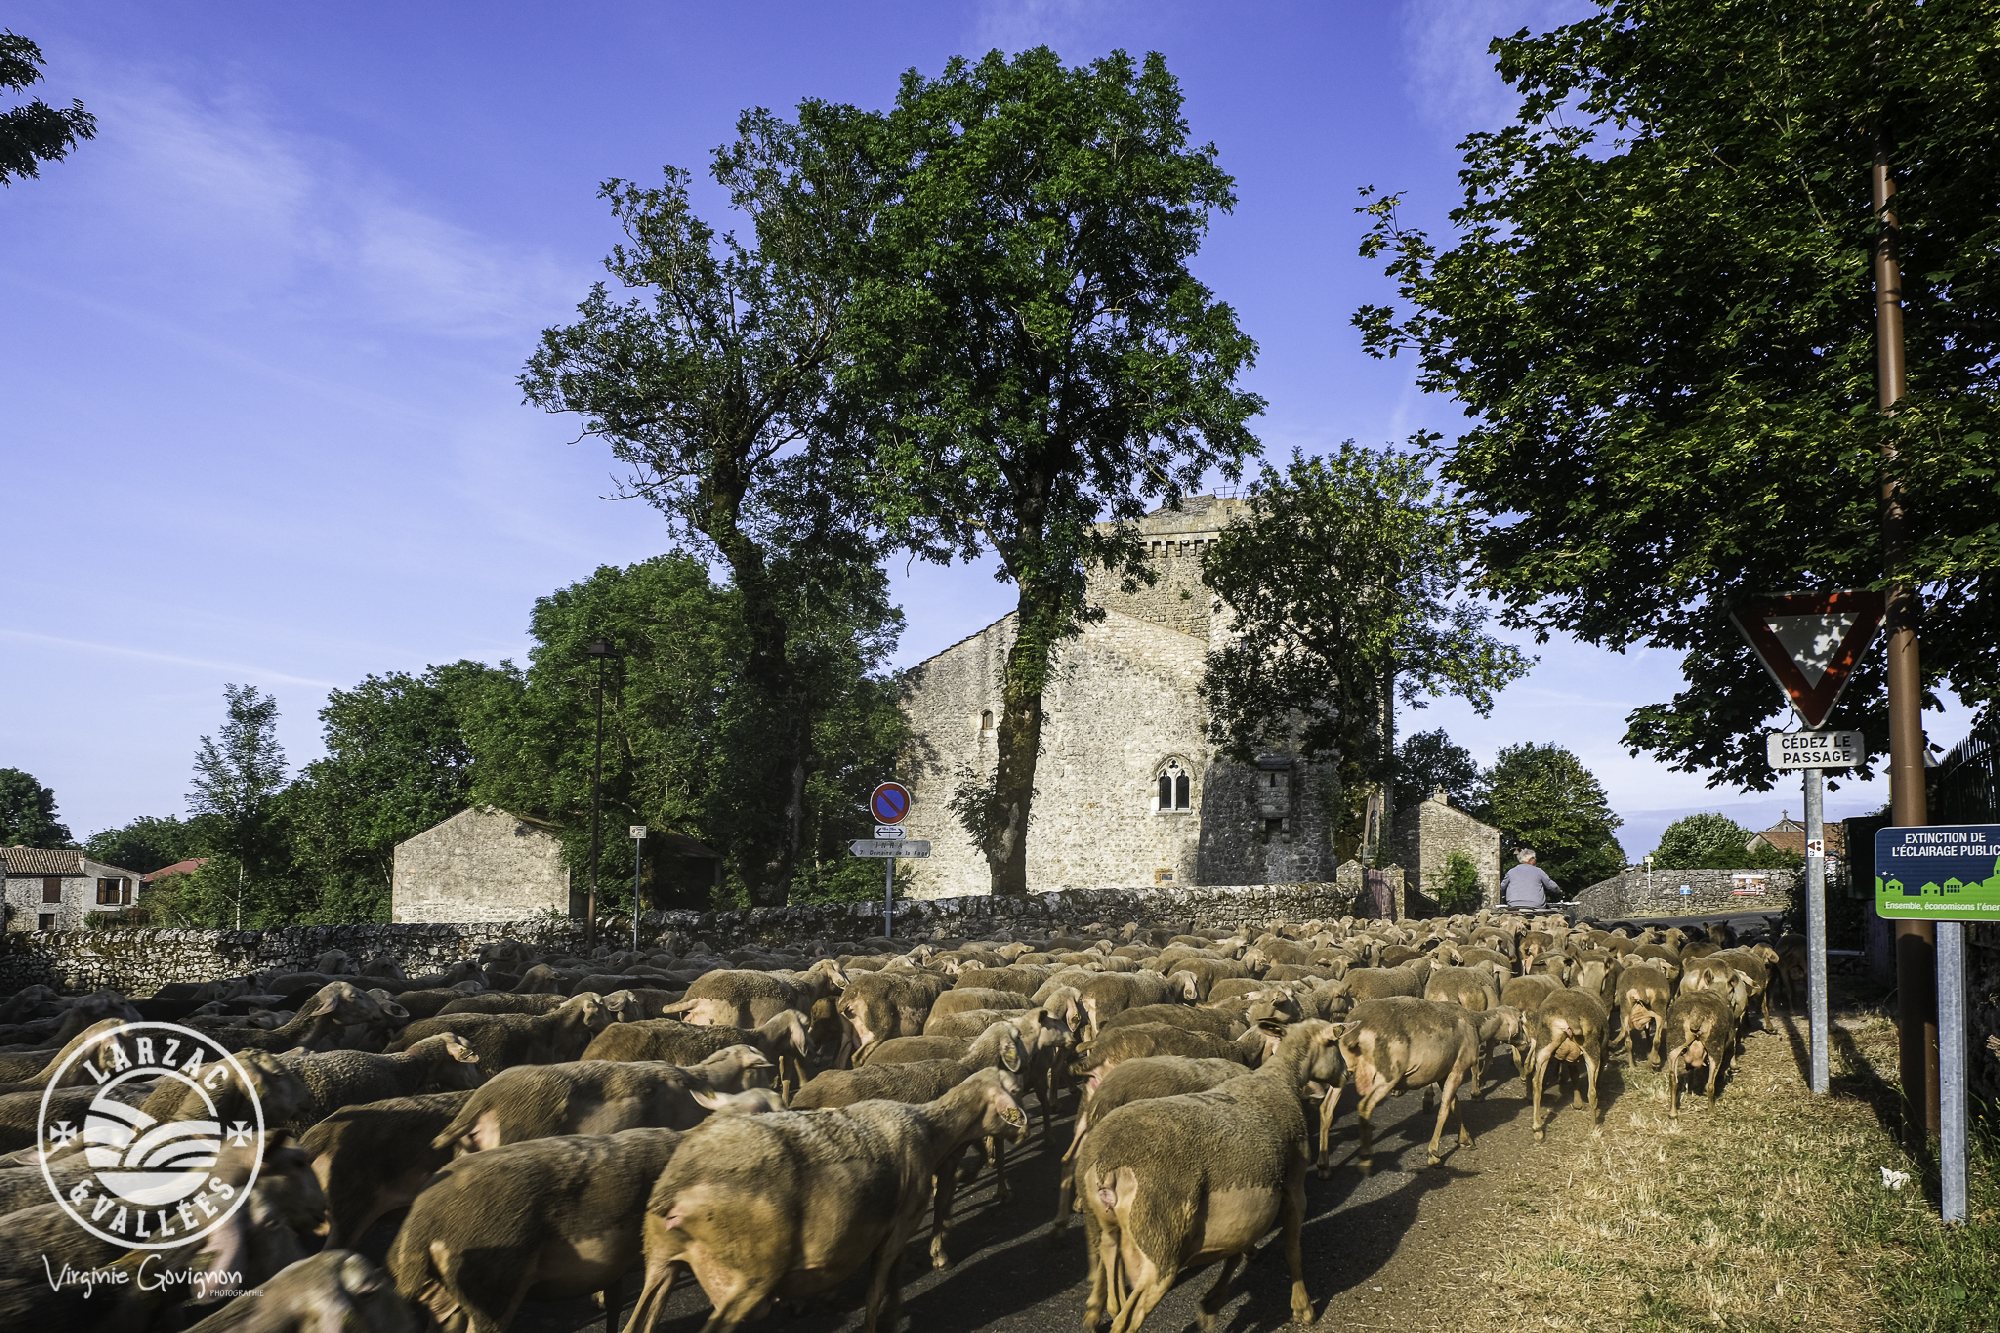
(1526, 886)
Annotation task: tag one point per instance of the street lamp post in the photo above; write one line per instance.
(599, 649)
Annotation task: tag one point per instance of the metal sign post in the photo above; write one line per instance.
(1816, 1001)
(1946, 874)
(637, 833)
(890, 802)
(1813, 752)
(1810, 642)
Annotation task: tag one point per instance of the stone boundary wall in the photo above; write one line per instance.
(1626, 896)
(139, 961)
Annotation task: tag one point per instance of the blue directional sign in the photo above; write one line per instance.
(1940, 872)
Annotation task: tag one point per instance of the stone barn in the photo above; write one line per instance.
(1430, 831)
(1128, 790)
(482, 864)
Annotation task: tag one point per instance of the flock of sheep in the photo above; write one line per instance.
(776, 1124)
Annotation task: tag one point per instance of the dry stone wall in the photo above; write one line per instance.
(1710, 893)
(140, 961)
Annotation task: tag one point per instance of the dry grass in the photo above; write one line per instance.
(1766, 1212)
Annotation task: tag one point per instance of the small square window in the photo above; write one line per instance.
(1273, 827)
(47, 921)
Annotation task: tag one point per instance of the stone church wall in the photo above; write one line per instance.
(1120, 702)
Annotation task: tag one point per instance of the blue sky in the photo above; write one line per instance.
(259, 338)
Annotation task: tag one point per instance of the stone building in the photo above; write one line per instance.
(55, 888)
(482, 864)
(1128, 790)
(1430, 831)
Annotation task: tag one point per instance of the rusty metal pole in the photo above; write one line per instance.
(1916, 941)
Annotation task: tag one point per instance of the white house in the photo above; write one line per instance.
(55, 888)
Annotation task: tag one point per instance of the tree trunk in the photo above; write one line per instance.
(768, 669)
(1038, 623)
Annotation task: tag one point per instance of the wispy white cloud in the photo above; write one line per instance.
(1016, 25)
(214, 194)
(243, 670)
(1451, 76)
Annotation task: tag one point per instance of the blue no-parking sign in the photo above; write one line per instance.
(890, 802)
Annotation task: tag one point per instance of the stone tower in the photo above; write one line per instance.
(1129, 791)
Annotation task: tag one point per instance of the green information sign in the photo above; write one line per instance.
(1942, 872)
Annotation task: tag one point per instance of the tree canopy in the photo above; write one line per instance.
(34, 132)
(149, 843)
(710, 387)
(1713, 841)
(1342, 583)
(1431, 761)
(1656, 307)
(1030, 353)
(28, 812)
(238, 774)
(1541, 796)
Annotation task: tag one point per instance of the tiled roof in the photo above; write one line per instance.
(1793, 840)
(43, 861)
(187, 867)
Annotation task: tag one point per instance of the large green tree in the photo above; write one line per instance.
(1541, 796)
(686, 734)
(1343, 586)
(1431, 761)
(149, 843)
(238, 774)
(28, 812)
(1030, 354)
(34, 132)
(1656, 307)
(710, 386)
(397, 762)
(1713, 841)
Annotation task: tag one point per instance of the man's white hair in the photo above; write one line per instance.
(1525, 855)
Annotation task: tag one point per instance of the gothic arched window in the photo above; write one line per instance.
(1173, 786)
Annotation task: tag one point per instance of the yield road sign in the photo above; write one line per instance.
(1810, 642)
(1815, 749)
(889, 802)
(897, 847)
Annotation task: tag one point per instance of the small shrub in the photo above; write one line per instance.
(1458, 884)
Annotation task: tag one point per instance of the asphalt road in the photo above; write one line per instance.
(1010, 1279)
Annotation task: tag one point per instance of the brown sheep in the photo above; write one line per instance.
(791, 1204)
(745, 997)
(1398, 1043)
(999, 1047)
(373, 1159)
(1108, 1051)
(1136, 1081)
(1470, 988)
(506, 1040)
(1174, 1182)
(334, 1289)
(783, 1039)
(1644, 992)
(335, 1079)
(548, 1218)
(1700, 1032)
(880, 1005)
(1570, 1026)
(597, 1097)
